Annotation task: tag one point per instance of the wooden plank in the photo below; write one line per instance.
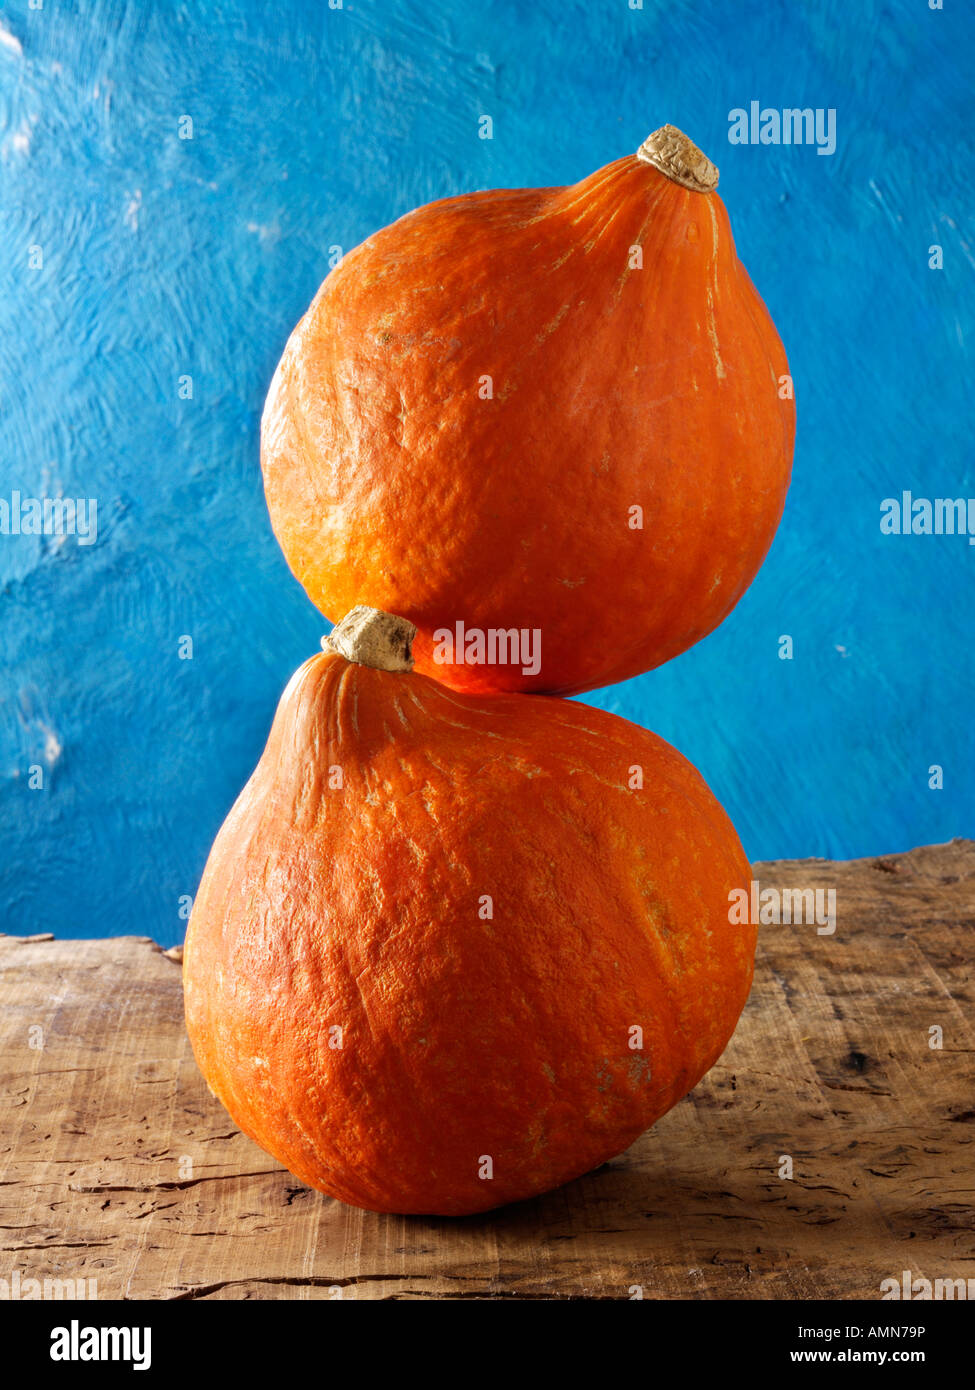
(116, 1164)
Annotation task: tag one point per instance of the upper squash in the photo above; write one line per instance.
(549, 410)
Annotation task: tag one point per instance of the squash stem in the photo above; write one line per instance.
(370, 637)
(669, 150)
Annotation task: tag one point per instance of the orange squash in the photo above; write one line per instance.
(450, 952)
(538, 412)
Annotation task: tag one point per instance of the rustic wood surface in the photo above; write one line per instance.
(116, 1164)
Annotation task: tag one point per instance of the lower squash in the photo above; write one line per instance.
(450, 952)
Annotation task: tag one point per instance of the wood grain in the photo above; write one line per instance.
(116, 1164)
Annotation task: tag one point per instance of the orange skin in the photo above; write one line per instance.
(392, 483)
(363, 908)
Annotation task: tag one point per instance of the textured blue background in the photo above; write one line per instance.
(313, 128)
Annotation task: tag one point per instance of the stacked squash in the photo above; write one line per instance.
(460, 941)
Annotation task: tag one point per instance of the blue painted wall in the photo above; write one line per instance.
(165, 258)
